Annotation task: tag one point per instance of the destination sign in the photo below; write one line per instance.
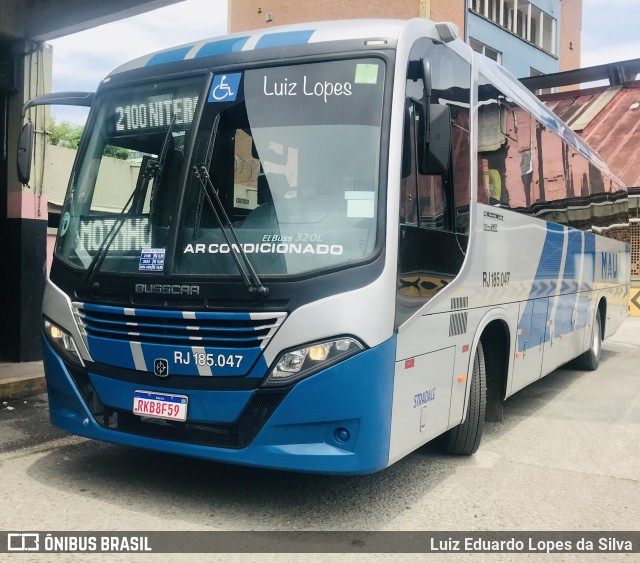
(134, 234)
(154, 113)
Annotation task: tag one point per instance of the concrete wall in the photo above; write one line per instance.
(251, 14)
(448, 11)
(570, 34)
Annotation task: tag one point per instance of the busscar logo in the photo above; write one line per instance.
(167, 289)
(161, 367)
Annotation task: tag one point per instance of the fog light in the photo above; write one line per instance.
(342, 435)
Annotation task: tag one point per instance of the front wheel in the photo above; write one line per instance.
(590, 360)
(465, 438)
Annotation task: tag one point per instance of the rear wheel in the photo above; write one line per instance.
(465, 438)
(590, 360)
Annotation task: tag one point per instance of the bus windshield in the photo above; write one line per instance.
(291, 152)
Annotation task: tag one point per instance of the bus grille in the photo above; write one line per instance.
(208, 329)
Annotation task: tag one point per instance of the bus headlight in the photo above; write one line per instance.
(296, 364)
(63, 342)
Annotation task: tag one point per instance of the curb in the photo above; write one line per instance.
(20, 387)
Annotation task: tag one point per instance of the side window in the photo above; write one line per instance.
(522, 165)
(423, 199)
(440, 202)
(540, 169)
(434, 209)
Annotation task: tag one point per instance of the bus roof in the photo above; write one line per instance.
(282, 36)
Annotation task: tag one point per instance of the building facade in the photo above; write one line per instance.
(529, 37)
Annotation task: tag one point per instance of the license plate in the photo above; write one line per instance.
(160, 405)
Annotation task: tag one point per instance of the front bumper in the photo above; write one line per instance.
(297, 429)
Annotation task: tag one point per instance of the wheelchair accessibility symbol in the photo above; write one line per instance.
(225, 87)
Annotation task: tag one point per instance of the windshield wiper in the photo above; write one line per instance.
(157, 170)
(248, 274)
(98, 259)
(153, 171)
(207, 162)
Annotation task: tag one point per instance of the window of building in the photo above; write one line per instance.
(521, 18)
(490, 52)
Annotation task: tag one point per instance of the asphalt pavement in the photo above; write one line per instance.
(566, 457)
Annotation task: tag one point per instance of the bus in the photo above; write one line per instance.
(334, 242)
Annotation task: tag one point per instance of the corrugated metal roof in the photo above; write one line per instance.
(608, 119)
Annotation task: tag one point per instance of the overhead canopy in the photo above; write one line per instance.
(43, 20)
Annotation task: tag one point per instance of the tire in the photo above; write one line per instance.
(465, 438)
(590, 360)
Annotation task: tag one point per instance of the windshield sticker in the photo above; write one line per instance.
(64, 224)
(366, 74)
(152, 260)
(307, 87)
(360, 204)
(225, 87)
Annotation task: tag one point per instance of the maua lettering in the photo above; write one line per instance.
(307, 87)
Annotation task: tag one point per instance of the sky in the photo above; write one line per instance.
(80, 61)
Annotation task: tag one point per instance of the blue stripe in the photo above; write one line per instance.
(165, 314)
(546, 280)
(111, 352)
(102, 308)
(588, 277)
(169, 56)
(574, 256)
(284, 39)
(534, 316)
(222, 47)
(570, 286)
(198, 338)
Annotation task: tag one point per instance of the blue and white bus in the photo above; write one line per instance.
(334, 242)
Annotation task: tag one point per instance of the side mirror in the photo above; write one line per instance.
(435, 140)
(435, 130)
(437, 148)
(25, 151)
